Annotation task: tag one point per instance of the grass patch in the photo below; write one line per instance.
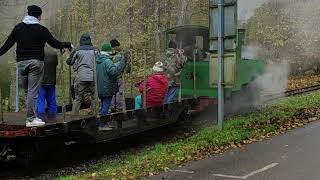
(288, 113)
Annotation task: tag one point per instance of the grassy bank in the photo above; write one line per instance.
(290, 113)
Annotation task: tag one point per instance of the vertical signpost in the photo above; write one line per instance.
(223, 31)
(221, 64)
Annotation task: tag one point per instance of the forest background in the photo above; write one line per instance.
(278, 31)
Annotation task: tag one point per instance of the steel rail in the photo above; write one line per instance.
(293, 92)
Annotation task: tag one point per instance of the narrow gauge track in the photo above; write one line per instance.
(302, 90)
(293, 92)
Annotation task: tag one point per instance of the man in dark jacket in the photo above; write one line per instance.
(82, 60)
(31, 37)
(107, 77)
(47, 91)
(117, 99)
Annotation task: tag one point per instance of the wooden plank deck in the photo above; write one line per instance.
(19, 118)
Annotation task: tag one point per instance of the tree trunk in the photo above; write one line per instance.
(169, 14)
(91, 19)
(157, 29)
(182, 12)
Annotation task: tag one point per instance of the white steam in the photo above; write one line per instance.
(251, 51)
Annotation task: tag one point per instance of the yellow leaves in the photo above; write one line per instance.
(302, 81)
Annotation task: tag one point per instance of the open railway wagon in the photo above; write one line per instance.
(198, 89)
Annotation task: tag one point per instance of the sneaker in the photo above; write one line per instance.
(36, 122)
(105, 128)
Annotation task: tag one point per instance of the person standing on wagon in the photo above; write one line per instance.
(47, 91)
(82, 60)
(31, 37)
(107, 77)
(116, 103)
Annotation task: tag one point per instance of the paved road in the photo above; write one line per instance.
(292, 156)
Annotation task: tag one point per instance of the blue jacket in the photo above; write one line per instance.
(107, 75)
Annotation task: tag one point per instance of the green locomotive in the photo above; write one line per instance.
(199, 77)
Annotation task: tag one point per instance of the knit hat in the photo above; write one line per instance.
(106, 47)
(114, 43)
(34, 11)
(158, 67)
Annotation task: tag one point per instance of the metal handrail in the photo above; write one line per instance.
(144, 96)
(194, 76)
(1, 109)
(63, 92)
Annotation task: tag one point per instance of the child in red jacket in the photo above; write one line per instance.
(156, 88)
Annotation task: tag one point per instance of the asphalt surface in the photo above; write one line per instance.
(292, 156)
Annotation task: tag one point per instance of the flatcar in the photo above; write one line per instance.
(198, 90)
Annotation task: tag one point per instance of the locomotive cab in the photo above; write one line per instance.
(192, 39)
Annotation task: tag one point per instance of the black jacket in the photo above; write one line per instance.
(50, 67)
(30, 39)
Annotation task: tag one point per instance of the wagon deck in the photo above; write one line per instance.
(86, 127)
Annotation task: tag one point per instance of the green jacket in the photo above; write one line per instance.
(107, 75)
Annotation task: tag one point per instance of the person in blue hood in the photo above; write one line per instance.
(107, 76)
(82, 60)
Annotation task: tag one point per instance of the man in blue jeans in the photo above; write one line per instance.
(30, 37)
(47, 91)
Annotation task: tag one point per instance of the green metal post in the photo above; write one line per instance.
(221, 64)
(194, 76)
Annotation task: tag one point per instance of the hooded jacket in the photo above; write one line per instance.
(31, 37)
(157, 86)
(50, 67)
(107, 75)
(175, 61)
(82, 60)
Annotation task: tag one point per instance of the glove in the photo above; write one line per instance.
(70, 48)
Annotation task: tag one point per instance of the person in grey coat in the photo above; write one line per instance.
(82, 60)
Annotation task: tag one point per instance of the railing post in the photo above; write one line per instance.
(194, 76)
(63, 91)
(96, 98)
(144, 95)
(1, 109)
(17, 89)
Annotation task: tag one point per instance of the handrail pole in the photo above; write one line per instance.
(63, 91)
(17, 90)
(96, 99)
(1, 109)
(145, 83)
(194, 76)
(124, 107)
